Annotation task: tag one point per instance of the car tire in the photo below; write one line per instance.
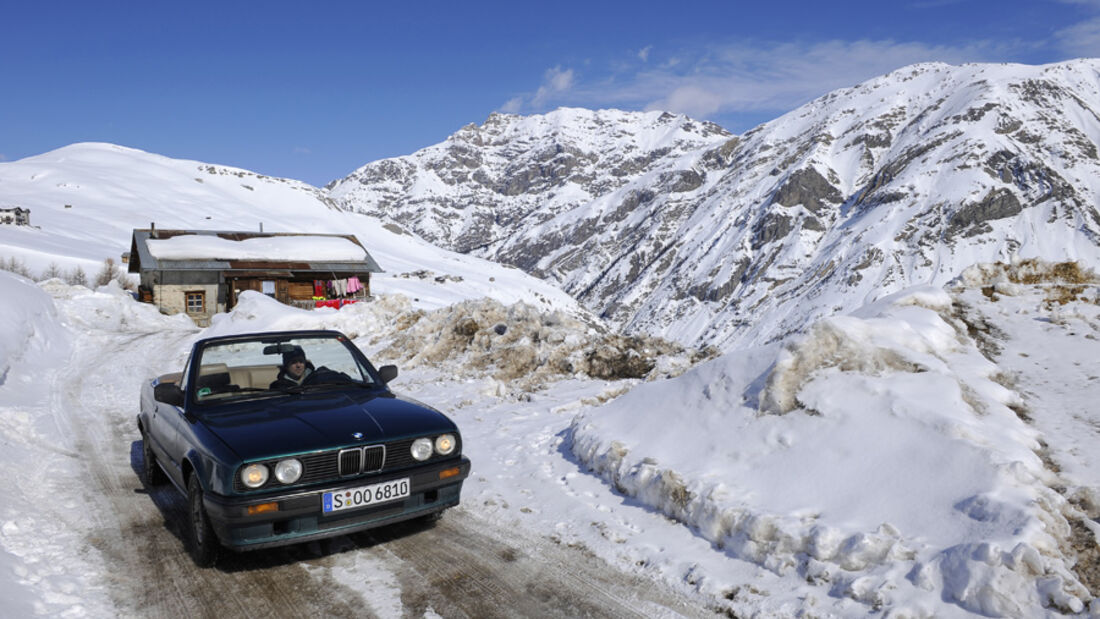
(203, 543)
(151, 472)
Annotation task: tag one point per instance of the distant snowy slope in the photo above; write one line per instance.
(673, 227)
(85, 200)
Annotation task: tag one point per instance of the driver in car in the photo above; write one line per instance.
(294, 371)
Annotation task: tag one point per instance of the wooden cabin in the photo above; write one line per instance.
(204, 272)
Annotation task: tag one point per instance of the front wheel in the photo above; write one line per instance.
(203, 543)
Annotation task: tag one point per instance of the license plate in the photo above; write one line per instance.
(365, 495)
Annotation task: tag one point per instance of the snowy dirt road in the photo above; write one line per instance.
(463, 566)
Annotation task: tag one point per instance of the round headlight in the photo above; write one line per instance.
(445, 444)
(288, 471)
(254, 475)
(422, 449)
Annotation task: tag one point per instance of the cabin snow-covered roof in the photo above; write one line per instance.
(157, 249)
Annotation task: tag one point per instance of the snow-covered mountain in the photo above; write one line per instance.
(667, 225)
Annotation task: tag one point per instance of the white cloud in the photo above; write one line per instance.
(1081, 39)
(555, 83)
(556, 86)
(782, 76)
(754, 77)
(695, 101)
(750, 77)
(302, 150)
(512, 106)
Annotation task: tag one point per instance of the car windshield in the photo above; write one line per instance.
(268, 366)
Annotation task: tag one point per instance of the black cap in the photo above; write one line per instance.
(292, 355)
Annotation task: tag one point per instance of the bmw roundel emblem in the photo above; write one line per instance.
(357, 435)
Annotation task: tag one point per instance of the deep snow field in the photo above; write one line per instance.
(932, 454)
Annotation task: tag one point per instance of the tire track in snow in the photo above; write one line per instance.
(139, 531)
(461, 567)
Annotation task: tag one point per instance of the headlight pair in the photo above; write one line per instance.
(443, 445)
(286, 471)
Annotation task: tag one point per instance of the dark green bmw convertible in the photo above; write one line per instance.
(278, 438)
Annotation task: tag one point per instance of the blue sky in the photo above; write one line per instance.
(312, 91)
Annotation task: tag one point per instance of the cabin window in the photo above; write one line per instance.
(196, 302)
(269, 288)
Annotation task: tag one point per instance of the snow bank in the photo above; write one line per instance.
(878, 456)
(31, 332)
(38, 575)
(110, 308)
(31, 337)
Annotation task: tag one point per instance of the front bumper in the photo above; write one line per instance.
(299, 516)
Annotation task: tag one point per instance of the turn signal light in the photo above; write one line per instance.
(449, 473)
(262, 508)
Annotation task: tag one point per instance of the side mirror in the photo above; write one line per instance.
(387, 373)
(168, 393)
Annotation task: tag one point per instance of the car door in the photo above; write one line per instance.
(166, 423)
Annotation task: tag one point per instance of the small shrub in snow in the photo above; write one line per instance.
(52, 272)
(110, 272)
(17, 266)
(76, 277)
(106, 273)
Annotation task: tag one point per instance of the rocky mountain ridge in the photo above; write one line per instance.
(479, 187)
(663, 224)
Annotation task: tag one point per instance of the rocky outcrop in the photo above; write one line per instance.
(973, 218)
(807, 187)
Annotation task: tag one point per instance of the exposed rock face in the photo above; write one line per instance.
(810, 189)
(971, 219)
(665, 225)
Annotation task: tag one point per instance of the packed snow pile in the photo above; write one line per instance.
(30, 324)
(881, 457)
(1064, 282)
(526, 347)
(109, 308)
(35, 548)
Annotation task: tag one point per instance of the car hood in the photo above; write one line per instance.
(311, 422)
